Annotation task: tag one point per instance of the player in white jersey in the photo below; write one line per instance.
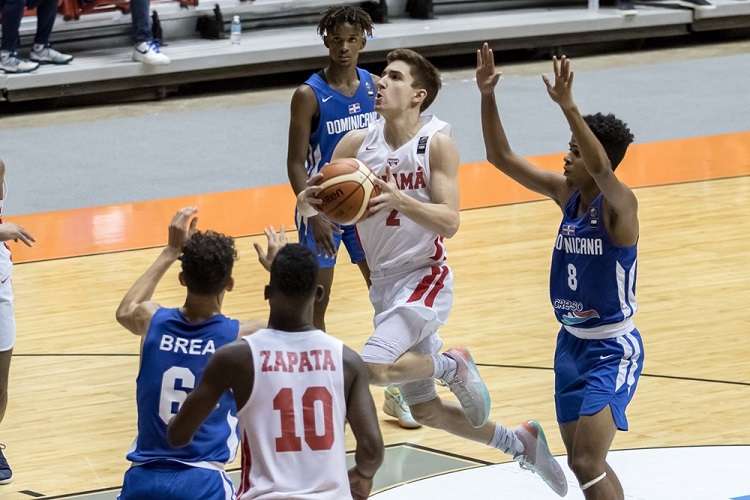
(8, 231)
(412, 287)
(295, 387)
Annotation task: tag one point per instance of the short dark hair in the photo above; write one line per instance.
(426, 75)
(613, 134)
(336, 16)
(294, 271)
(207, 261)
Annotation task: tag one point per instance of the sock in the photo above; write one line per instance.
(506, 441)
(444, 367)
(38, 47)
(141, 46)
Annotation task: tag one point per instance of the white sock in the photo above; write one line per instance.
(506, 441)
(141, 46)
(444, 367)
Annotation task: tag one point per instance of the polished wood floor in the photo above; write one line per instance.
(71, 415)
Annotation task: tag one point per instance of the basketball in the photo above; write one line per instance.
(347, 186)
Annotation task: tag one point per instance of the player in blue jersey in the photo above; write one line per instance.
(176, 344)
(333, 101)
(599, 355)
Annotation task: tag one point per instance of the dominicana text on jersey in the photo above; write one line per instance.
(338, 114)
(592, 281)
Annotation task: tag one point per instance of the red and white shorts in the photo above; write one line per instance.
(409, 310)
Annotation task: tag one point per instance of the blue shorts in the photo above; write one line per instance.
(591, 374)
(175, 481)
(348, 236)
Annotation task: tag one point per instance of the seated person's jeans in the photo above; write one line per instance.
(139, 11)
(46, 11)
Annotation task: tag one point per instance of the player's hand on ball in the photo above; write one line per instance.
(11, 231)
(276, 242)
(181, 228)
(389, 197)
(307, 199)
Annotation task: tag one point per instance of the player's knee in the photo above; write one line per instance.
(586, 466)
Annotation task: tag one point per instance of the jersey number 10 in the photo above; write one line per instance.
(284, 403)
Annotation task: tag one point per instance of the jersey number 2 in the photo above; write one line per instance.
(393, 219)
(284, 403)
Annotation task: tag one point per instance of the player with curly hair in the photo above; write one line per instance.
(176, 344)
(599, 355)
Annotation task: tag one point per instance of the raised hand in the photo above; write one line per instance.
(12, 231)
(276, 242)
(562, 90)
(182, 228)
(487, 75)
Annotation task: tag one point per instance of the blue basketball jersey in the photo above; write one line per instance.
(592, 281)
(173, 357)
(337, 115)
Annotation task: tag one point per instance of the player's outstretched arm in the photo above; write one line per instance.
(363, 419)
(497, 146)
(441, 215)
(619, 197)
(136, 309)
(227, 369)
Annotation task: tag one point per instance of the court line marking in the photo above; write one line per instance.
(487, 365)
(652, 375)
(405, 444)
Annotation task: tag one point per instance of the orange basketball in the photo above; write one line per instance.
(347, 186)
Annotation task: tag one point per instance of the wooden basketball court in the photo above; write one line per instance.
(71, 416)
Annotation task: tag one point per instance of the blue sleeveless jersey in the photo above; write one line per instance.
(338, 114)
(173, 357)
(592, 281)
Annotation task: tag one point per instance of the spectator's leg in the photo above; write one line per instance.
(12, 14)
(46, 12)
(139, 11)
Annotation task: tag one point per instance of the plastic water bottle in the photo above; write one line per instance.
(236, 31)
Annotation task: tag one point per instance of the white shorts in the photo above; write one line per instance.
(409, 310)
(7, 314)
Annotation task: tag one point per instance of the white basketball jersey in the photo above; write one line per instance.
(392, 242)
(292, 427)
